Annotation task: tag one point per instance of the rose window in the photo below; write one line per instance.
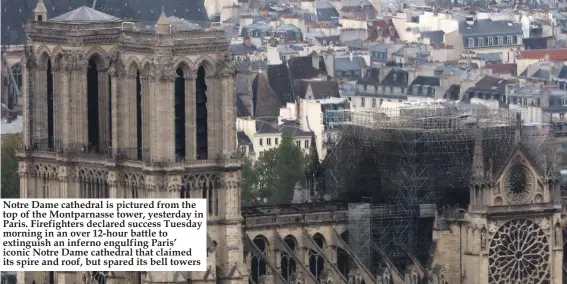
(518, 183)
(519, 253)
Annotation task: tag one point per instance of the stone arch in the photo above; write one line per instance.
(258, 264)
(41, 50)
(44, 56)
(316, 260)
(132, 62)
(287, 262)
(16, 70)
(133, 68)
(58, 50)
(186, 66)
(100, 55)
(146, 67)
(207, 63)
(93, 182)
(57, 59)
(343, 258)
(319, 237)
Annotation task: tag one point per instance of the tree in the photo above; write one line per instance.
(272, 179)
(10, 177)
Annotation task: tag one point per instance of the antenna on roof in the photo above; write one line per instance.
(94, 4)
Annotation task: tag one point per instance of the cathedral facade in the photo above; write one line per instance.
(117, 109)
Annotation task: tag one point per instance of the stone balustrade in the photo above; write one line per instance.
(295, 219)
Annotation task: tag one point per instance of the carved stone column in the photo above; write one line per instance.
(103, 110)
(80, 100)
(112, 180)
(214, 123)
(28, 64)
(115, 90)
(39, 104)
(25, 172)
(65, 105)
(190, 117)
(148, 111)
(131, 115)
(165, 118)
(173, 187)
(228, 104)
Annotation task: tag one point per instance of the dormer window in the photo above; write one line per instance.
(500, 41)
(480, 42)
(471, 42)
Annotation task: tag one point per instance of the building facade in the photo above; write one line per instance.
(115, 109)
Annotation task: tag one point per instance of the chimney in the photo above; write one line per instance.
(247, 42)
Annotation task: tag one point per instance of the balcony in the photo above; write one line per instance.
(294, 219)
(508, 209)
(131, 157)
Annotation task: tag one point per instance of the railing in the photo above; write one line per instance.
(127, 154)
(292, 219)
(522, 207)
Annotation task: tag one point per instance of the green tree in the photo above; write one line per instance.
(273, 177)
(250, 193)
(9, 170)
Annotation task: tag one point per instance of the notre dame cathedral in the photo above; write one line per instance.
(120, 109)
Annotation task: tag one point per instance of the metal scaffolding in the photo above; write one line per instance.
(410, 159)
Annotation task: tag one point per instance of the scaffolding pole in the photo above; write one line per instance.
(415, 157)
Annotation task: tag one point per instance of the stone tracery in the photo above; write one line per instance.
(519, 253)
(518, 183)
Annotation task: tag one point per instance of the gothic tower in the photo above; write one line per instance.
(117, 109)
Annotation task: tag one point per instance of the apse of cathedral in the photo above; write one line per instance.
(118, 109)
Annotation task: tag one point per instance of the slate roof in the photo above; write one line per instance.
(265, 127)
(293, 129)
(241, 108)
(281, 77)
(324, 88)
(85, 14)
(426, 81)
(345, 64)
(396, 78)
(563, 73)
(489, 27)
(241, 49)
(372, 77)
(182, 25)
(243, 139)
(17, 12)
(435, 37)
(491, 84)
(265, 100)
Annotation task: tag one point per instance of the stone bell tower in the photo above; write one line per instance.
(117, 109)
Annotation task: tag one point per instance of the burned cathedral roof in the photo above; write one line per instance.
(15, 13)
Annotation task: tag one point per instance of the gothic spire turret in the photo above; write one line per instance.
(40, 11)
(478, 173)
(163, 26)
(518, 135)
